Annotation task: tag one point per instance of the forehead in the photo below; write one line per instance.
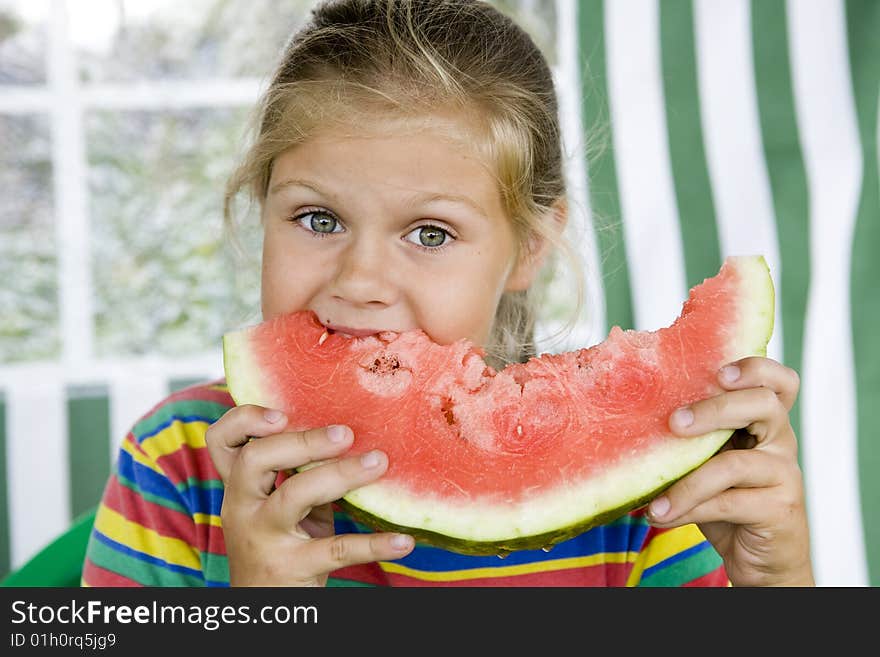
(426, 153)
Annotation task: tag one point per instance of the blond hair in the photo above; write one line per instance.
(357, 59)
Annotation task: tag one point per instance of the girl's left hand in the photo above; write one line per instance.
(748, 500)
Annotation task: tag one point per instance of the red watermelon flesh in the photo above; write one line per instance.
(485, 462)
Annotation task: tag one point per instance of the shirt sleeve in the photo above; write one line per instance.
(680, 556)
(158, 521)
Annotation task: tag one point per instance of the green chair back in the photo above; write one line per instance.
(60, 563)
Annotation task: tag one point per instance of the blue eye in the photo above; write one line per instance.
(430, 237)
(318, 221)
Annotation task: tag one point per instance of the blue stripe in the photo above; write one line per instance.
(678, 556)
(624, 535)
(148, 480)
(146, 558)
(204, 500)
(171, 420)
(195, 498)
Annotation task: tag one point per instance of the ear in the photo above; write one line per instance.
(535, 251)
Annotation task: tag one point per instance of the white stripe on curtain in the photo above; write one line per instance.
(641, 150)
(593, 327)
(131, 397)
(37, 467)
(732, 132)
(833, 161)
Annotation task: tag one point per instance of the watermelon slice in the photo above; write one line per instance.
(486, 462)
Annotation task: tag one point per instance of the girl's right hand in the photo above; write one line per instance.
(285, 536)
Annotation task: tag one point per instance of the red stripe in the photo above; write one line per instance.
(187, 461)
(600, 575)
(368, 573)
(94, 575)
(717, 577)
(165, 521)
(201, 392)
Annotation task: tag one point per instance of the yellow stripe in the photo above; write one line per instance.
(173, 550)
(508, 571)
(174, 436)
(207, 519)
(662, 547)
(138, 457)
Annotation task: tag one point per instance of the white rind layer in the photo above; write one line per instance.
(241, 375)
(757, 309)
(568, 504)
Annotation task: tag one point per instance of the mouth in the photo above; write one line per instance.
(348, 332)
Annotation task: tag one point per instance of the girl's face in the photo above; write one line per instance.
(388, 232)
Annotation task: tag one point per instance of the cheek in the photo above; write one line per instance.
(460, 311)
(280, 285)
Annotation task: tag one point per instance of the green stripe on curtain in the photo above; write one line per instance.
(693, 191)
(88, 433)
(604, 198)
(788, 177)
(5, 528)
(179, 384)
(863, 27)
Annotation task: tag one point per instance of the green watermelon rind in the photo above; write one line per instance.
(750, 337)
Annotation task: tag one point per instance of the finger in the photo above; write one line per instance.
(233, 430)
(758, 410)
(324, 484)
(755, 371)
(731, 469)
(328, 554)
(254, 472)
(738, 506)
(768, 506)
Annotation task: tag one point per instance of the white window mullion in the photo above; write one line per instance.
(70, 195)
(169, 95)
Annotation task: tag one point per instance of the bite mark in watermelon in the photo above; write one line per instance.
(486, 462)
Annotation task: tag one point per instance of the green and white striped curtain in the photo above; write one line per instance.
(734, 127)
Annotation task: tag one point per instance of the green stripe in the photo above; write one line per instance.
(88, 439)
(215, 567)
(133, 568)
(788, 177)
(195, 482)
(684, 570)
(336, 582)
(5, 528)
(604, 194)
(863, 21)
(693, 189)
(184, 408)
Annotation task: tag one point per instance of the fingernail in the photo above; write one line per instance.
(683, 417)
(337, 433)
(730, 373)
(273, 415)
(371, 459)
(401, 542)
(659, 507)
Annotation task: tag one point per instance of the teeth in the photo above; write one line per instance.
(322, 338)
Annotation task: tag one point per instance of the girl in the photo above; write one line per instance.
(407, 165)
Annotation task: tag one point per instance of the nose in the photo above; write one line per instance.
(363, 275)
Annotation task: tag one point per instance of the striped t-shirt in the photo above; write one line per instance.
(158, 524)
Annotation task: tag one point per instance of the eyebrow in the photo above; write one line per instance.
(426, 197)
